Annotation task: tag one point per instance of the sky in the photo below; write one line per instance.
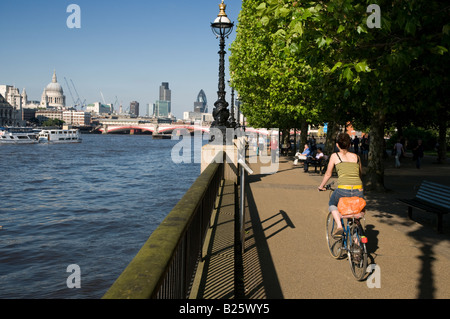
(122, 52)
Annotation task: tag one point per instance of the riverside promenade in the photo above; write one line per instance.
(286, 255)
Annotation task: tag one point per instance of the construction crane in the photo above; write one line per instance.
(70, 91)
(115, 104)
(103, 97)
(82, 103)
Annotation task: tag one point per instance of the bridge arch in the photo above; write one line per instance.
(190, 128)
(116, 129)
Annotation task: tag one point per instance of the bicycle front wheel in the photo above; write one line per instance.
(334, 244)
(357, 252)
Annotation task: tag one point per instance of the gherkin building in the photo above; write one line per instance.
(201, 104)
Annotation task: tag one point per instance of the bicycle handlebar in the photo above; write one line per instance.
(327, 188)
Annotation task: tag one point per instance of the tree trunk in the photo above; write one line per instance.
(285, 137)
(332, 133)
(303, 135)
(442, 139)
(374, 179)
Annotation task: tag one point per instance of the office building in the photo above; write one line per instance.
(201, 104)
(200, 113)
(77, 118)
(163, 107)
(165, 94)
(134, 108)
(99, 108)
(8, 114)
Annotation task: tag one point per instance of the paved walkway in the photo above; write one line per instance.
(286, 255)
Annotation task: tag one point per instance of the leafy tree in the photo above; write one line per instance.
(319, 61)
(53, 122)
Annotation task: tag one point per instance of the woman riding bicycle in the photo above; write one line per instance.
(348, 167)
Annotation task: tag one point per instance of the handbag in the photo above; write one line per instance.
(351, 205)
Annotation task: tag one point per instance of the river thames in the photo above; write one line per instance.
(92, 204)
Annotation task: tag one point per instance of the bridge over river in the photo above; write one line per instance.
(138, 126)
(142, 126)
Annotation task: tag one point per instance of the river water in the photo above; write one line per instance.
(92, 204)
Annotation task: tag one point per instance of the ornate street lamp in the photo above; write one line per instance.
(222, 28)
(232, 120)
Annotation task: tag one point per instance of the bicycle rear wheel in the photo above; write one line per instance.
(357, 252)
(334, 244)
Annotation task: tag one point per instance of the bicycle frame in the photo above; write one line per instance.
(346, 227)
(353, 242)
(346, 235)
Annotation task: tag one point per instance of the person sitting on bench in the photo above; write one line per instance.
(313, 160)
(303, 156)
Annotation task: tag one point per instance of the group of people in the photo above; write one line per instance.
(258, 143)
(311, 154)
(361, 146)
(349, 169)
(399, 152)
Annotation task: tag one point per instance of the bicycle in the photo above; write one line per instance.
(353, 241)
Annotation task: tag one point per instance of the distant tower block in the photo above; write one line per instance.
(201, 104)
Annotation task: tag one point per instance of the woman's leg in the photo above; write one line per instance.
(333, 203)
(337, 218)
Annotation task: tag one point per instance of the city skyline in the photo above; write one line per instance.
(122, 52)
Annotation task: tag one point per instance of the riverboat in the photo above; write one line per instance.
(18, 135)
(60, 136)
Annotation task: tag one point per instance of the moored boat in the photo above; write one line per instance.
(18, 135)
(60, 136)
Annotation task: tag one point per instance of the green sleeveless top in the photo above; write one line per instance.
(348, 173)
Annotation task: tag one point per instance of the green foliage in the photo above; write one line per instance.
(318, 61)
(412, 135)
(53, 122)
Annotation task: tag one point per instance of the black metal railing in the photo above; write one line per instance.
(165, 266)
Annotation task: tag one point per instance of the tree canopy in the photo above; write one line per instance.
(343, 60)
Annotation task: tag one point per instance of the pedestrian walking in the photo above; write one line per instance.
(418, 154)
(398, 152)
(274, 148)
(261, 144)
(365, 147)
(356, 145)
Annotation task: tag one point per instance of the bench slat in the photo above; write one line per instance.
(431, 197)
(437, 186)
(439, 196)
(442, 189)
(433, 192)
(434, 199)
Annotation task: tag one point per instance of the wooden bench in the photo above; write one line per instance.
(431, 197)
(321, 164)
